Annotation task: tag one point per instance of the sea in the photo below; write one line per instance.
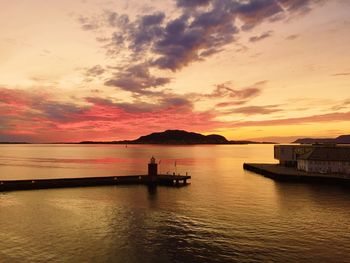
(225, 214)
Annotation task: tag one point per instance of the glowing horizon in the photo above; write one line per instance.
(272, 70)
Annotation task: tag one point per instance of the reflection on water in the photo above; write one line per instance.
(224, 215)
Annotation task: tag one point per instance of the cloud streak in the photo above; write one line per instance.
(255, 110)
(225, 90)
(329, 117)
(260, 37)
(342, 74)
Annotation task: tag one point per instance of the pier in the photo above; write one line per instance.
(168, 180)
(152, 178)
(292, 174)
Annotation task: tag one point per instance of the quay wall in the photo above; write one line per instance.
(280, 173)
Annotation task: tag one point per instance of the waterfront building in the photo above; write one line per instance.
(315, 158)
(326, 160)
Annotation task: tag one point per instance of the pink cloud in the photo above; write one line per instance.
(49, 120)
(329, 117)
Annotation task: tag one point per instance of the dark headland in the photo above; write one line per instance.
(176, 137)
(342, 139)
(14, 143)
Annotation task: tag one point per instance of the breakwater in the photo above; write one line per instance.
(168, 180)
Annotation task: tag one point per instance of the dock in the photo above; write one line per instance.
(151, 179)
(291, 174)
(166, 180)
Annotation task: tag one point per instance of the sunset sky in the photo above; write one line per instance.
(75, 70)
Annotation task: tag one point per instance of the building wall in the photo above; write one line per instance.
(324, 166)
(302, 165)
(288, 154)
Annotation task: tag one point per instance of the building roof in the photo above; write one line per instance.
(340, 154)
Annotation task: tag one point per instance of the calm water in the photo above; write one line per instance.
(225, 215)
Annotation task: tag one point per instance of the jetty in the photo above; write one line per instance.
(325, 163)
(282, 173)
(152, 179)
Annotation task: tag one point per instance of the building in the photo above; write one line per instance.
(326, 160)
(288, 154)
(316, 158)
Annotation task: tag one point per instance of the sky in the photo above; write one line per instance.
(264, 70)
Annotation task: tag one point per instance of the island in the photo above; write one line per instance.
(176, 137)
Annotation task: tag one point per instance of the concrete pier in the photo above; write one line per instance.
(282, 173)
(168, 180)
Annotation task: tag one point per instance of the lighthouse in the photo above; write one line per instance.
(152, 167)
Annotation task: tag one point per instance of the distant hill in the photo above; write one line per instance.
(14, 143)
(343, 139)
(180, 137)
(175, 137)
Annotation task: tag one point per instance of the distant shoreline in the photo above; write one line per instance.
(15, 143)
(171, 137)
(181, 137)
(134, 143)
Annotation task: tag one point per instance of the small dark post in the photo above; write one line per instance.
(152, 167)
